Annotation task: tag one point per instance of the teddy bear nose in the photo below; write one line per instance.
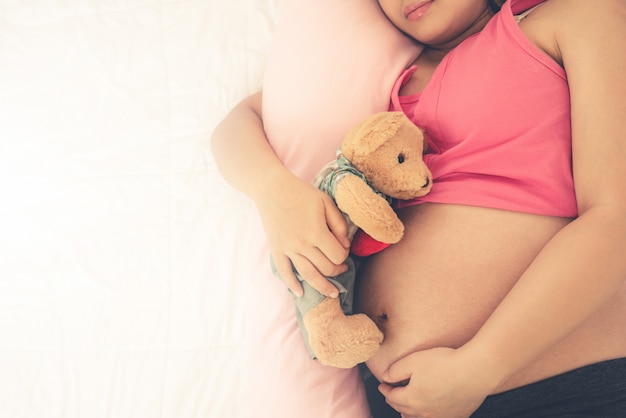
(427, 183)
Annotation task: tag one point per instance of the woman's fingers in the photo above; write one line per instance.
(308, 272)
(284, 270)
(314, 241)
(314, 277)
(337, 226)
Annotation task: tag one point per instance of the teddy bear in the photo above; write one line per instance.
(379, 160)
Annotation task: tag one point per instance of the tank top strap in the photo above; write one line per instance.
(522, 16)
(519, 6)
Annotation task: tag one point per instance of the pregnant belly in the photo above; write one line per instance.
(439, 284)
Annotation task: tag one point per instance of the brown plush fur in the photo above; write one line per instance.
(339, 340)
(387, 148)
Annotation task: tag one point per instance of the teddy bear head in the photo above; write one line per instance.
(387, 148)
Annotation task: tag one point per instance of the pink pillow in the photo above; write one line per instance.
(332, 63)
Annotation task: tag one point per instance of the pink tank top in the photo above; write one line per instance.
(497, 117)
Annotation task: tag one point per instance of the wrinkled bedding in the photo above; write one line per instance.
(120, 295)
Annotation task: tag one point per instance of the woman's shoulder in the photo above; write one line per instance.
(560, 23)
(575, 6)
(564, 12)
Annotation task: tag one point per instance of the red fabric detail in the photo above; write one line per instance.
(364, 245)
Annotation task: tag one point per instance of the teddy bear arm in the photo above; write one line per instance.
(368, 210)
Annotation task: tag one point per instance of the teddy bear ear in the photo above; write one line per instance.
(372, 132)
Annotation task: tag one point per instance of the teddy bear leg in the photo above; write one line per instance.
(339, 340)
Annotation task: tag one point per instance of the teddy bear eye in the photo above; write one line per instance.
(400, 158)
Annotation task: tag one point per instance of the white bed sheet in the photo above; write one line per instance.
(120, 292)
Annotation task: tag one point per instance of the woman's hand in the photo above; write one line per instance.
(438, 382)
(303, 227)
(302, 224)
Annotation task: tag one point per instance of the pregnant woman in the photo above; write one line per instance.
(493, 288)
(507, 295)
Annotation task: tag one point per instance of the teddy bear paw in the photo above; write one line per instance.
(347, 342)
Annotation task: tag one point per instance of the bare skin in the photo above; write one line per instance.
(438, 286)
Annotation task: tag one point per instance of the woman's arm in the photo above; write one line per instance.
(583, 266)
(303, 225)
(239, 141)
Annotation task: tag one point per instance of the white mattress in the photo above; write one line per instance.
(120, 295)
